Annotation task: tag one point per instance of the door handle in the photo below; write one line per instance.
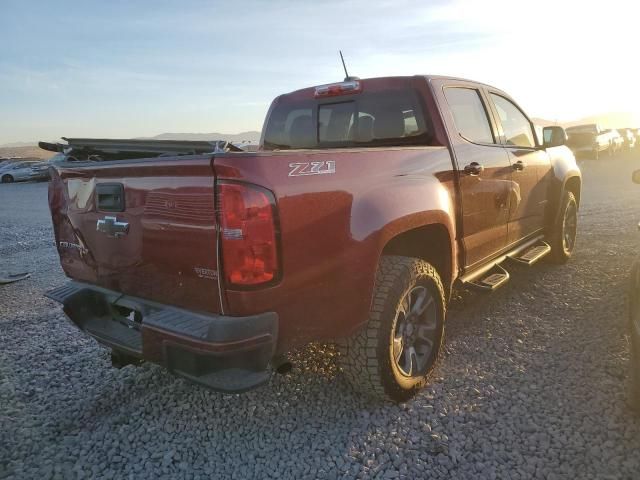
(474, 168)
(519, 165)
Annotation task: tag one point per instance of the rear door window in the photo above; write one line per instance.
(469, 114)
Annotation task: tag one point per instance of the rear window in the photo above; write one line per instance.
(368, 119)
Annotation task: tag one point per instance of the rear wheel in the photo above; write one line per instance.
(563, 237)
(395, 353)
(7, 179)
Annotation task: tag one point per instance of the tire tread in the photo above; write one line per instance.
(360, 360)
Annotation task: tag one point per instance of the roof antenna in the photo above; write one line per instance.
(347, 78)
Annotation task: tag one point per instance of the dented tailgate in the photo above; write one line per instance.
(145, 228)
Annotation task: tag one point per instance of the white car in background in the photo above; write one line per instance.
(617, 142)
(17, 171)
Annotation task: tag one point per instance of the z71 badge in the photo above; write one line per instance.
(312, 168)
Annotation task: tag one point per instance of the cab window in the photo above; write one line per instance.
(389, 117)
(517, 128)
(469, 114)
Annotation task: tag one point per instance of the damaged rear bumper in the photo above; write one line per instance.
(229, 354)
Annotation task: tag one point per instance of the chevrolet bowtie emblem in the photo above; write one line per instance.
(112, 227)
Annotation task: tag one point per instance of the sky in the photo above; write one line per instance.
(143, 67)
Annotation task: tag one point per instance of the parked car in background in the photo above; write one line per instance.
(16, 171)
(612, 146)
(40, 171)
(588, 140)
(634, 327)
(628, 138)
(347, 226)
(616, 140)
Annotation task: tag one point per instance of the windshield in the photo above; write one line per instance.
(370, 119)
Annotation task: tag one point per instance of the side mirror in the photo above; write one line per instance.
(553, 137)
(635, 176)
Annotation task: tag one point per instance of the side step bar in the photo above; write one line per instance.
(493, 275)
(532, 254)
(492, 279)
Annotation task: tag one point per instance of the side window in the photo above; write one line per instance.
(517, 129)
(469, 114)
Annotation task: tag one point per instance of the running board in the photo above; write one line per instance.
(532, 254)
(491, 280)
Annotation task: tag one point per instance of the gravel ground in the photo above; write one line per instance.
(531, 386)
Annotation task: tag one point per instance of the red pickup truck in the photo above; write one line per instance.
(367, 201)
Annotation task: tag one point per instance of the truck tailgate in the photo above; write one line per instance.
(158, 242)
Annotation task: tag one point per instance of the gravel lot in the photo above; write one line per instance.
(531, 386)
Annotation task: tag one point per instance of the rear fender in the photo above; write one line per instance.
(406, 203)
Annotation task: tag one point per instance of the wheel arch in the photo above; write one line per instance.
(431, 243)
(573, 184)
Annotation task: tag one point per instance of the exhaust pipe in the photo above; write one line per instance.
(281, 364)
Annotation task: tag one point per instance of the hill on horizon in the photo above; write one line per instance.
(31, 149)
(25, 151)
(249, 136)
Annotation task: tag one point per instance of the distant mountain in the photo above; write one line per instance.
(25, 152)
(251, 136)
(19, 144)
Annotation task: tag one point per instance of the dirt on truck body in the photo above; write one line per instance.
(367, 201)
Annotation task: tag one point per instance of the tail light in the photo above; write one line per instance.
(248, 234)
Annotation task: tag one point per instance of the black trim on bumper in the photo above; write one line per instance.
(230, 354)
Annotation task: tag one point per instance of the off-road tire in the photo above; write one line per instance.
(634, 341)
(7, 179)
(559, 253)
(366, 357)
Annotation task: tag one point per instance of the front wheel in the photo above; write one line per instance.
(7, 179)
(563, 236)
(395, 353)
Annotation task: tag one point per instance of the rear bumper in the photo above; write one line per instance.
(229, 354)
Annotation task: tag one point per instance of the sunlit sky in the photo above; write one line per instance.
(134, 68)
